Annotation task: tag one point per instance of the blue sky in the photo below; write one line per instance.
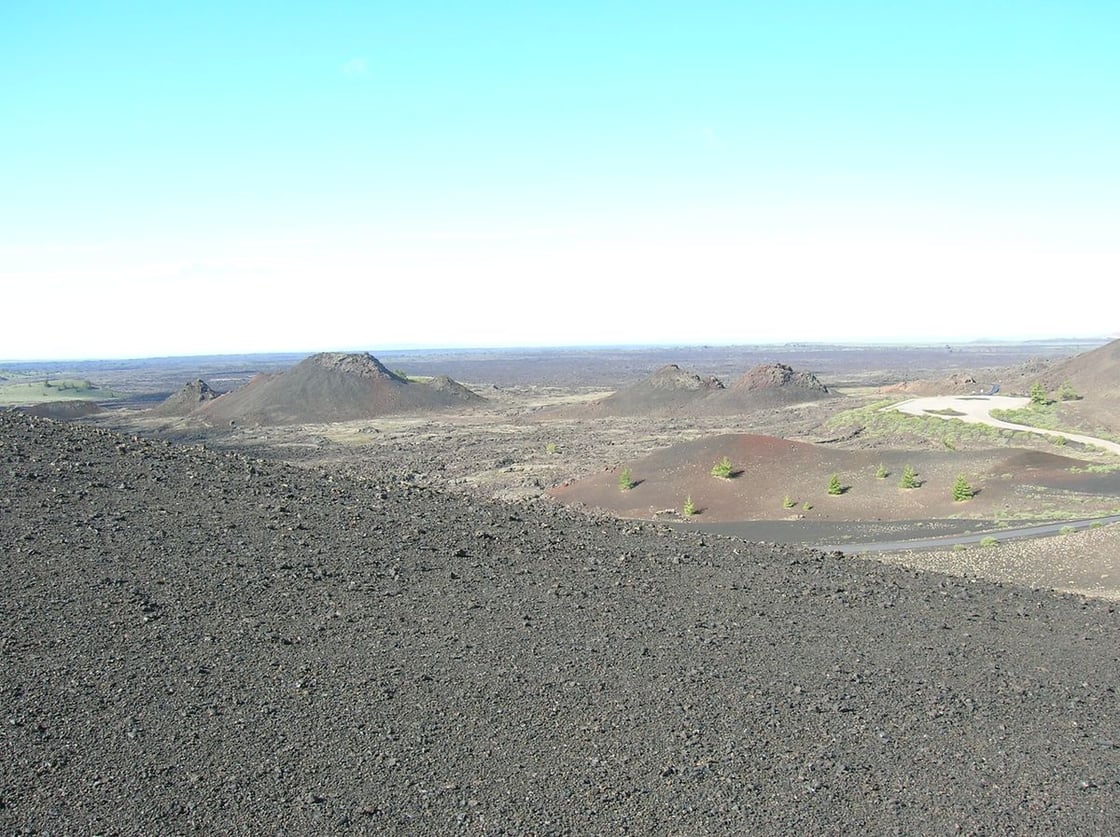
(183, 178)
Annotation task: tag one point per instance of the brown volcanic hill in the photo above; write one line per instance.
(771, 384)
(767, 470)
(668, 390)
(671, 390)
(779, 376)
(454, 390)
(332, 387)
(1093, 374)
(186, 400)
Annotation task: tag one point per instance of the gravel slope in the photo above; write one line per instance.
(195, 642)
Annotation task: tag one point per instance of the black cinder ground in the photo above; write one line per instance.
(196, 642)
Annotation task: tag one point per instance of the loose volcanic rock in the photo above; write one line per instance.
(198, 642)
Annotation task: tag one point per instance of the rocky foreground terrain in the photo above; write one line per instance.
(199, 642)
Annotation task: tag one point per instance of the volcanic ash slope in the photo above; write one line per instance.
(198, 642)
(332, 387)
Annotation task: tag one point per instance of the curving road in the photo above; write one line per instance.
(977, 409)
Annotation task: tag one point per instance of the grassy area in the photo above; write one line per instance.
(413, 379)
(1096, 469)
(1048, 417)
(45, 390)
(881, 422)
(876, 420)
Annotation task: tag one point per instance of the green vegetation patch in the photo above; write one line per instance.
(1095, 469)
(45, 390)
(1048, 416)
(625, 480)
(962, 490)
(722, 469)
(878, 420)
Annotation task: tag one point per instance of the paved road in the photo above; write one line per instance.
(977, 409)
(1037, 530)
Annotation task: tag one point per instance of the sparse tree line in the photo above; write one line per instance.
(961, 490)
(1041, 398)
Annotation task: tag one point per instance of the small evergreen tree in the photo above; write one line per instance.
(722, 469)
(834, 485)
(625, 483)
(909, 478)
(881, 472)
(689, 507)
(1038, 394)
(961, 489)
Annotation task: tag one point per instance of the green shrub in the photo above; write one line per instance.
(881, 472)
(962, 490)
(1038, 394)
(835, 487)
(1066, 530)
(988, 541)
(788, 502)
(625, 483)
(722, 469)
(807, 506)
(909, 478)
(550, 448)
(1066, 392)
(689, 507)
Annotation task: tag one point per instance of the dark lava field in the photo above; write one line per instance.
(196, 642)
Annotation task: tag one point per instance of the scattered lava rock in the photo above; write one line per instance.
(197, 641)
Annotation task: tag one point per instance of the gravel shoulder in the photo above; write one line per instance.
(1085, 562)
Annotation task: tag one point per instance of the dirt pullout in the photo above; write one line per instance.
(198, 642)
(961, 383)
(333, 387)
(1086, 562)
(776, 478)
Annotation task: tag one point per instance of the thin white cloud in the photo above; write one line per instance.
(712, 138)
(356, 67)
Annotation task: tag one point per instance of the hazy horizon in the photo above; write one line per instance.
(577, 348)
(215, 179)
